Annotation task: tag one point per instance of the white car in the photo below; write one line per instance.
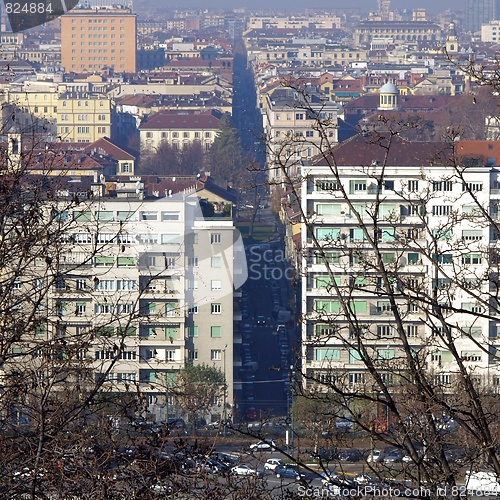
(375, 456)
(272, 463)
(244, 470)
(263, 445)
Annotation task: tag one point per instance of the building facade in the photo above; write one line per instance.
(151, 283)
(425, 227)
(99, 39)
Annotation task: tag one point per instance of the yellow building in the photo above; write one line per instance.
(71, 116)
(84, 117)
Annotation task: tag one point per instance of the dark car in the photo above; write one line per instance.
(261, 321)
(350, 455)
(394, 456)
(289, 472)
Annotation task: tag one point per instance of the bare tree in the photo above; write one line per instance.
(399, 269)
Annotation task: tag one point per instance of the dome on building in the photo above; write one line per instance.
(389, 88)
(389, 96)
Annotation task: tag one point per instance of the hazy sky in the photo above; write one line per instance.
(367, 5)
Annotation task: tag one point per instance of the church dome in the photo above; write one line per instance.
(389, 88)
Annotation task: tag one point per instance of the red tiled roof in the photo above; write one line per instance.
(182, 120)
(364, 150)
(109, 149)
(487, 151)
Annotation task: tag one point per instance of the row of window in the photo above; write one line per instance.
(186, 135)
(410, 185)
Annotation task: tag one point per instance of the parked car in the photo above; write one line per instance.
(350, 455)
(364, 479)
(263, 445)
(394, 456)
(289, 472)
(375, 456)
(244, 470)
(273, 463)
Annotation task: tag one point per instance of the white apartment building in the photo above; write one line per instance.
(434, 240)
(153, 280)
(490, 32)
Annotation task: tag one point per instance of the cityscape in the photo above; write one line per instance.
(249, 252)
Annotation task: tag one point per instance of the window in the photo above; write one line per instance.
(442, 186)
(330, 257)
(472, 258)
(149, 215)
(192, 355)
(356, 378)
(82, 238)
(327, 185)
(327, 233)
(148, 239)
(193, 284)
(442, 210)
(192, 331)
(193, 261)
(125, 261)
(126, 285)
(126, 238)
(384, 331)
(216, 355)
(357, 186)
(324, 329)
(104, 261)
(125, 215)
(215, 331)
(216, 262)
(412, 331)
(105, 237)
(327, 354)
(385, 353)
(472, 234)
(170, 239)
(193, 309)
(327, 306)
(81, 308)
(471, 355)
(216, 284)
(215, 308)
(169, 216)
(105, 284)
(354, 356)
(124, 308)
(309, 133)
(104, 308)
(215, 238)
(171, 309)
(328, 208)
(81, 284)
(472, 187)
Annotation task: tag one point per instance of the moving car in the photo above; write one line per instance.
(289, 472)
(263, 445)
(273, 464)
(244, 470)
(261, 321)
